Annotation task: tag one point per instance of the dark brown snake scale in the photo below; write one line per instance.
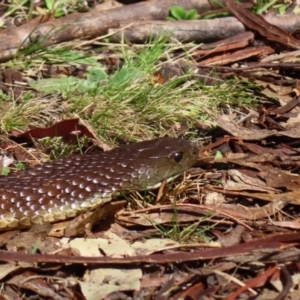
(66, 187)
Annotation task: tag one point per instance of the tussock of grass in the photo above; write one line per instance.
(125, 103)
(34, 112)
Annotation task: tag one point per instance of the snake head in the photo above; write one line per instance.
(157, 160)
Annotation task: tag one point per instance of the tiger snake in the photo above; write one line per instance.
(67, 187)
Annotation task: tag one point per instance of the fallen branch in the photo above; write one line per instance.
(270, 245)
(197, 31)
(87, 25)
(187, 31)
(257, 23)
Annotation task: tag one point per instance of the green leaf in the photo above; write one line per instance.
(263, 7)
(191, 15)
(49, 4)
(35, 248)
(126, 76)
(56, 85)
(59, 12)
(282, 9)
(87, 86)
(96, 75)
(218, 155)
(218, 4)
(20, 166)
(80, 58)
(171, 19)
(178, 13)
(5, 171)
(68, 84)
(217, 15)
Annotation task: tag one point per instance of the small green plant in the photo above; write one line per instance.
(281, 8)
(35, 248)
(263, 6)
(180, 233)
(219, 155)
(57, 7)
(20, 166)
(5, 171)
(15, 5)
(178, 13)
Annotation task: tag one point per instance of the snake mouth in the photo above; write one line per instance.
(157, 185)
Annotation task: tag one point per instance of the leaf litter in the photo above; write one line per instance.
(227, 228)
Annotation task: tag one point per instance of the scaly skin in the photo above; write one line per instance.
(67, 187)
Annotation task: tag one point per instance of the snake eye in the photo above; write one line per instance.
(178, 156)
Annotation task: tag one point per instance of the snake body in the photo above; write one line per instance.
(66, 187)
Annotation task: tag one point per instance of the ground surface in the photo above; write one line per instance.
(229, 227)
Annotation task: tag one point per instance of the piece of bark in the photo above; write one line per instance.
(187, 31)
(238, 41)
(282, 56)
(265, 29)
(87, 25)
(232, 238)
(237, 56)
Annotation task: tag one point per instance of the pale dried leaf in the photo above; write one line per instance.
(152, 245)
(228, 123)
(101, 282)
(214, 198)
(111, 245)
(8, 268)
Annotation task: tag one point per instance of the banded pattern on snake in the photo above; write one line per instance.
(67, 187)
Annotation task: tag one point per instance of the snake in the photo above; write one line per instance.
(64, 188)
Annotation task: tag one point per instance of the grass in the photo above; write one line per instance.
(117, 96)
(122, 102)
(125, 103)
(172, 224)
(183, 234)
